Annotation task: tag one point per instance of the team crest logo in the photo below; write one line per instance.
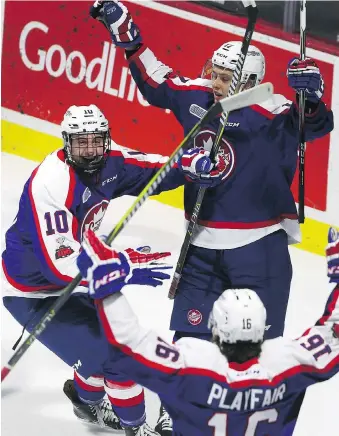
(205, 139)
(63, 250)
(194, 316)
(94, 217)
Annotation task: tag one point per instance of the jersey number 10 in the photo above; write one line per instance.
(59, 222)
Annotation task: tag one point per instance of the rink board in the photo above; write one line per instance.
(47, 67)
(15, 139)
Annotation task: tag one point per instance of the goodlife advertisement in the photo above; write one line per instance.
(55, 55)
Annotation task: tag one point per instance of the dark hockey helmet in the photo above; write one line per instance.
(86, 136)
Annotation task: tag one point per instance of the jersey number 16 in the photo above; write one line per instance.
(219, 422)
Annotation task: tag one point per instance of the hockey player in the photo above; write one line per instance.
(246, 223)
(66, 195)
(236, 385)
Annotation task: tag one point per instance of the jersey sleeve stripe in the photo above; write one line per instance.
(202, 372)
(141, 159)
(135, 58)
(116, 153)
(330, 307)
(124, 348)
(176, 84)
(266, 113)
(25, 288)
(143, 163)
(69, 202)
(281, 377)
(156, 73)
(70, 194)
(44, 252)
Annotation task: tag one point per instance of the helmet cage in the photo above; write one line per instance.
(85, 165)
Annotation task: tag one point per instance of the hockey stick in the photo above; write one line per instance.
(302, 143)
(252, 13)
(252, 96)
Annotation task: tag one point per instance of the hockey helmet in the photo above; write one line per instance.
(86, 137)
(254, 67)
(238, 315)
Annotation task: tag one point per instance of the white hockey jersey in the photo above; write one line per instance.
(208, 396)
(57, 205)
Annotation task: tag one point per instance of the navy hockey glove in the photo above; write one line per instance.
(115, 16)
(332, 255)
(96, 12)
(198, 167)
(305, 75)
(108, 271)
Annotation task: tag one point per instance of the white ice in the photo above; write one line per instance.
(33, 403)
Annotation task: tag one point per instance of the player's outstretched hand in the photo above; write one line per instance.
(108, 271)
(332, 255)
(116, 18)
(305, 76)
(198, 167)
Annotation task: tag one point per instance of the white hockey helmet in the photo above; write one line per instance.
(227, 56)
(82, 120)
(238, 315)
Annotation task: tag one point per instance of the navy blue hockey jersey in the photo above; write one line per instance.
(260, 143)
(57, 206)
(204, 393)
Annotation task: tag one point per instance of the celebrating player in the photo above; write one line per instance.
(246, 223)
(252, 214)
(235, 385)
(66, 195)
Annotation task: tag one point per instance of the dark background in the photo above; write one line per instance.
(322, 16)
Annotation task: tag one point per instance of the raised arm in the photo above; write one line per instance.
(155, 80)
(318, 349)
(282, 115)
(138, 352)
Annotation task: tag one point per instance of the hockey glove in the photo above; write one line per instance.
(108, 271)
(115, 16)
(332, 255)
(198, 167)
(305, 75)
